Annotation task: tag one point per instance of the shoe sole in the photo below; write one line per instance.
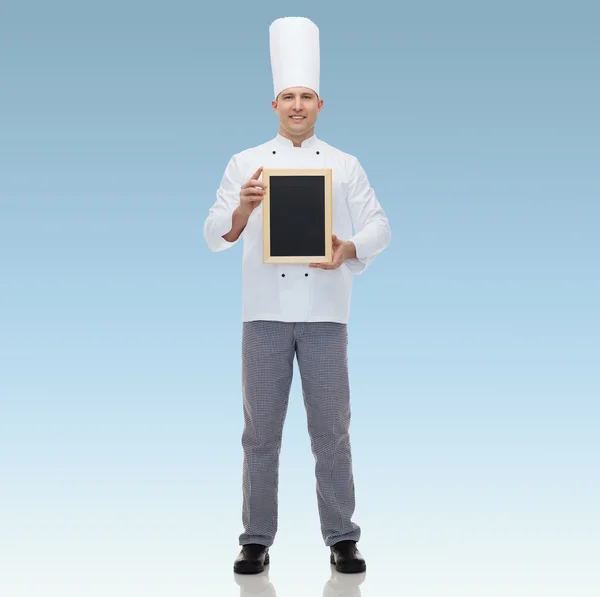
(357, 567)
(251, 568)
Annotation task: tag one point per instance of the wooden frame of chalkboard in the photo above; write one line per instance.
(297, 215)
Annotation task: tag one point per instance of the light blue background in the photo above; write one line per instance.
(474, 338)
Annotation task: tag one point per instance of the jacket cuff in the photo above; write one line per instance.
(222, 225)
(356, 266)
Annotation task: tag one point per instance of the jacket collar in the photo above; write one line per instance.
(289, 143)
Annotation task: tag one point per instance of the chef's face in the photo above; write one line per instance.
(297, 101)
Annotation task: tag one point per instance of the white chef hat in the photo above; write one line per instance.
(295, 54)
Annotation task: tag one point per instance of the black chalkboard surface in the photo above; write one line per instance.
(297, 217)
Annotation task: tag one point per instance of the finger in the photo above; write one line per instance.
(253, 182)
(253, 191)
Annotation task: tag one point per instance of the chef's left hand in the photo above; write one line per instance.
(340, 254)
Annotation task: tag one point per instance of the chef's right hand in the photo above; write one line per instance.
(250, 195)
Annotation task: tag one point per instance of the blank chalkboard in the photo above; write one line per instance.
(297, 215)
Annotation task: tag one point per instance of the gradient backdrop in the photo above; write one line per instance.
(474, 338)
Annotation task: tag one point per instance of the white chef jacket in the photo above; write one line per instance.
(296, 292)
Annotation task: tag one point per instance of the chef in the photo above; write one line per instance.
(297, 310)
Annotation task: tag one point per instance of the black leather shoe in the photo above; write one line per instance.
(346, 557)
(252, 559)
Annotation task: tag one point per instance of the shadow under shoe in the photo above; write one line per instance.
(341, 585)
(258, 585)
(346, 557)
(252, 559)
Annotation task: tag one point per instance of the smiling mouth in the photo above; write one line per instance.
(298, 118)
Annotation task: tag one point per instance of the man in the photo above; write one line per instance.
(294, 309)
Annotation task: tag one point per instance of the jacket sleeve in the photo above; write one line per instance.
(372, 232)
(220, 215)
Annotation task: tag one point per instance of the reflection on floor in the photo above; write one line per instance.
(338, 585)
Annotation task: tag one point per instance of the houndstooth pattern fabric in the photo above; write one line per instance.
(268, 350)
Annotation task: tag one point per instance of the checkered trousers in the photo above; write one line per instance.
(268, 350)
